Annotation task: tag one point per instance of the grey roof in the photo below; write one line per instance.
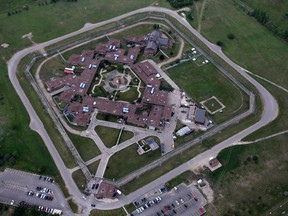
(152, 143)
(152, 45)
(156, 34)
(200, 116)
(163, 41)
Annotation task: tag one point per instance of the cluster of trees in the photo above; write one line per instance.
(25, 7)
(262, 17)
(8, 158)
(180, 3)
(24, 211)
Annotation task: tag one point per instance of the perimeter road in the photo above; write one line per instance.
(270, 111)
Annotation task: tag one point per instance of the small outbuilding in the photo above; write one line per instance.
(200, 116)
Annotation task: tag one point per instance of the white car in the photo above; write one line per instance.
(176, 201)
(181, 200)
(12, 202)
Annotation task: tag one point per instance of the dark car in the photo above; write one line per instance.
(93, 205)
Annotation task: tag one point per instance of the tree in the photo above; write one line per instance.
(220, 43)
(9, 14)
(231, 36)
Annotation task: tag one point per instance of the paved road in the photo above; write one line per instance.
(270, 112)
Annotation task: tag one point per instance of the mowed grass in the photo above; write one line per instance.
(53, 20)
(126, 135)
(204, 82)
(213, 105)
(85, 146)
(114, 212)
(79, 179)
(252, 178)
(255, 48)
(183, 177)
(93, 167)
(130, 96)
(127, 160)
(108, 135)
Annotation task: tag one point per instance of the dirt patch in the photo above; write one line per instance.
(29, 36)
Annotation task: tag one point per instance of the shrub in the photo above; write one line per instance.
(231, 36)
(220, 43)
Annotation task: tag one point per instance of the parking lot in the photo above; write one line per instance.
(182, 200)
(18, 187)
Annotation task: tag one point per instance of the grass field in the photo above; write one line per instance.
(79, 179)
(130, 96)
(118, 212)
(107, 135)
(125, 136)
(85, 146)
(213, 105)
(93, 167)
(117, 167)
(16, 137)
(204, 82)
(261, 168)
(276, 10)
(184, 177)
(64, 17)
(73, 205)
(255, 48)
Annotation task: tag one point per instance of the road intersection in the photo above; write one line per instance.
(270, 112)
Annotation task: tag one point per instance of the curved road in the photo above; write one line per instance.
(270, 112)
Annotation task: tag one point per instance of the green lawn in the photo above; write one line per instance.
(276, 10)
(117, 167)
(73, 205)
(261, 168)
(53, 20)
(118, 212)
(130, 96)
(107, 135)
(255, 48)
(79, 179)
(85, 146)
(204, 82)
(93, 167)
(184, 177)
(213, 105)
(125, 136)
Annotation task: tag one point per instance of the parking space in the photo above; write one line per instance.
(182, 200)
(18, 187)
